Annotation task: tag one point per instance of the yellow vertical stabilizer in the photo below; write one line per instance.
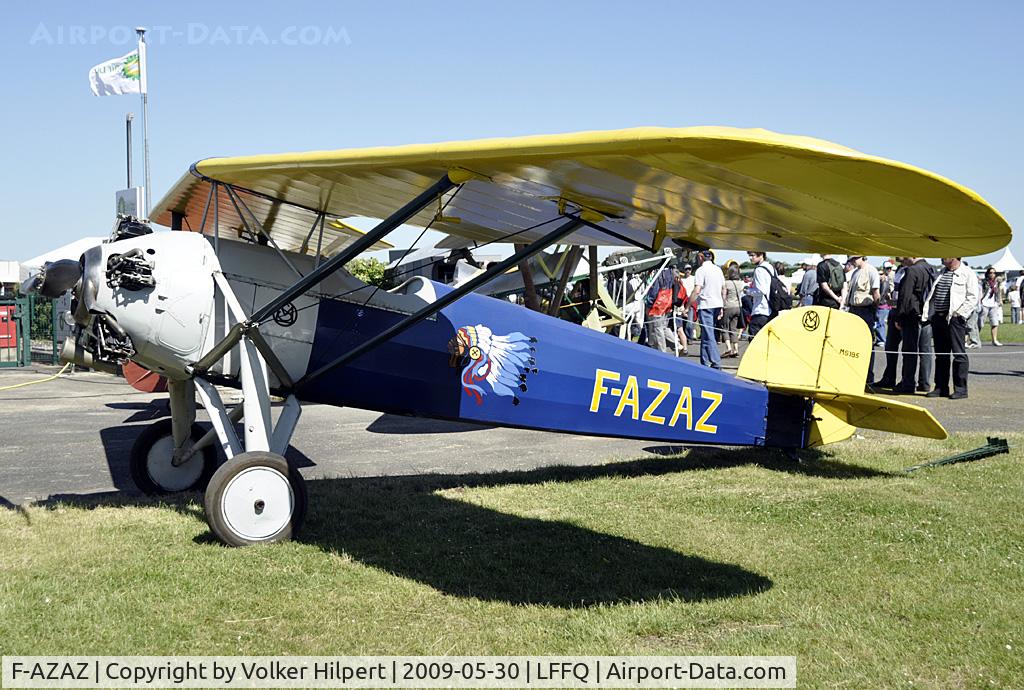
(823, 354)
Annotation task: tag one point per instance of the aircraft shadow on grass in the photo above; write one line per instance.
(404, 526)
(808, 462)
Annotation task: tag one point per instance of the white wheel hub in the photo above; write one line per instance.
(166, 475)
(257, 503)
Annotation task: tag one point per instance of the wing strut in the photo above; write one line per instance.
(437, 305)
(611, 233)
(325, 269)
(356, 248)
(237, 202)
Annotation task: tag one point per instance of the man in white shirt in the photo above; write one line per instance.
(761, 313)
(634, 311)
(974, 323)
(862, 297)
(709, 295)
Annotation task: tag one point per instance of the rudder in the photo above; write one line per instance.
(823, 354)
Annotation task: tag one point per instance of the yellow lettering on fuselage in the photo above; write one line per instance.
(716, 400)
(631, 396)
(599, 388)
(663, 389)
(684, 406)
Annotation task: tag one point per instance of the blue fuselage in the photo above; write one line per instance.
(485, 360)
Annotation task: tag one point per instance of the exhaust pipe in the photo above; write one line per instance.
(73, 353)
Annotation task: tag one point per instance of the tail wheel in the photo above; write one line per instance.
(255, 498)
(151, 466)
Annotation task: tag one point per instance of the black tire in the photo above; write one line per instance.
(260, 476)
(158, 436)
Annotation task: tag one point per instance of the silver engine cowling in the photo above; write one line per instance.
(147, 298)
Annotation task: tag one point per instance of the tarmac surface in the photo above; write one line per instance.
(72, 435)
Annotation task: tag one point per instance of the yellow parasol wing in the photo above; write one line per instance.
(709, 186)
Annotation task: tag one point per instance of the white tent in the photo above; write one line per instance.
(9, 272)
(68, 251)
(1007, 262)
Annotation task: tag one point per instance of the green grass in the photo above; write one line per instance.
(872, 578)
(1008, 332)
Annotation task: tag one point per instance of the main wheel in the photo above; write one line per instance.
(151, 467)
(255, 498)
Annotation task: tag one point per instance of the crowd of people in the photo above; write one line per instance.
(927, 315)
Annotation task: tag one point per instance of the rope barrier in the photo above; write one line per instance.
(743, 332)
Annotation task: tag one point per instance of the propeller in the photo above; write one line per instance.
(54, 278)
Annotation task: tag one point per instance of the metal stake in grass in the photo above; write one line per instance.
(995, 447)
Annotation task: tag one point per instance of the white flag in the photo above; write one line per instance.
(118, 76)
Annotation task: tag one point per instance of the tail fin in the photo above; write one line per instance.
(823, 354)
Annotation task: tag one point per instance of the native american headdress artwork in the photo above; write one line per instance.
(501, 361)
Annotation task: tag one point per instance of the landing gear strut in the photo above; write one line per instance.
(256, 496)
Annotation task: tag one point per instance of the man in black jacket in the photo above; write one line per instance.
(893, 335)
(909, 305)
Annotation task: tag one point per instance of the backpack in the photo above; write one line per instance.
(662, 303)
(680, 296)
(779, 298)
(836, 276)
(886, 290)
(746, 305)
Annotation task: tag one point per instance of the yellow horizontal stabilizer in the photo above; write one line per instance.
(823, 354)
(867, 412)
(827, 427)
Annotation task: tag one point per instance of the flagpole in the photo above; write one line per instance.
(141, 31)
(128, 133)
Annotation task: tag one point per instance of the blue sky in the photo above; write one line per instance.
(935, 84)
